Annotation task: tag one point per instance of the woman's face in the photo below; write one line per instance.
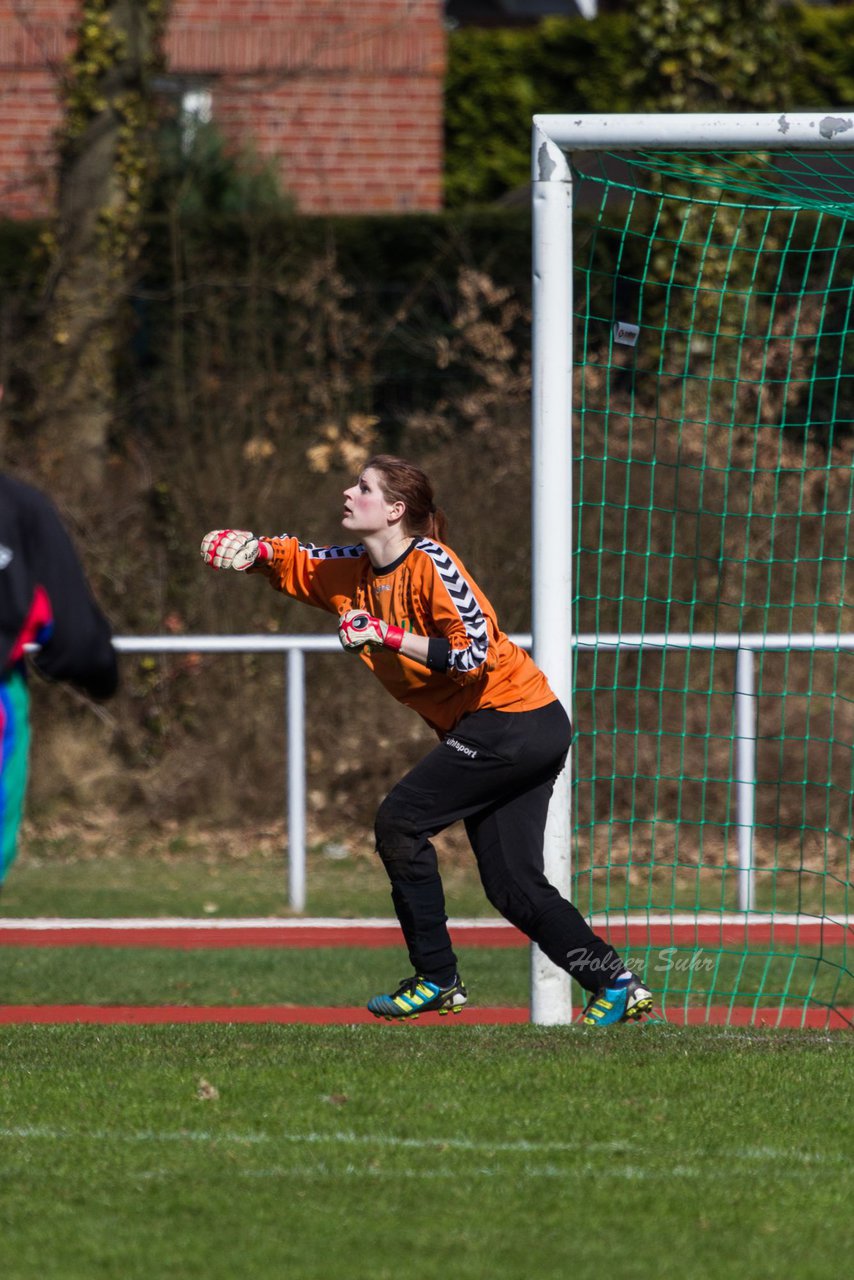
(366, 510)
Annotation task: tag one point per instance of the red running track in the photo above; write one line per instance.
(763, 933)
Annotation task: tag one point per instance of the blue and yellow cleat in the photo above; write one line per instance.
(626, 1001)
(417, 995)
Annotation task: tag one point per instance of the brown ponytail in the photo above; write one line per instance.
(402, 481)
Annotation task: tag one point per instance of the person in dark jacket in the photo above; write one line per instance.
(45, 599)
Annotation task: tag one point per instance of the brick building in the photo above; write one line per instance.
(345, 95)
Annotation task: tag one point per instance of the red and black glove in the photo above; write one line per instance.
(359, 629)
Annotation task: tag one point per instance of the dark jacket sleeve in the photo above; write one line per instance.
(76, 645)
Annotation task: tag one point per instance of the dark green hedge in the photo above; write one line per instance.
(400, 273)
(391, 251)
(826, 38)
(498, 79)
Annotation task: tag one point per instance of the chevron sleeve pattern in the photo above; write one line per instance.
(326, 577)
(464, 617)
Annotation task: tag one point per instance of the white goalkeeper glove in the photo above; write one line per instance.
(359, 630)
(233, 549)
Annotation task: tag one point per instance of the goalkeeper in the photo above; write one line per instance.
(413, 614)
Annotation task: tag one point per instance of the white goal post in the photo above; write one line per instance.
(555, 137)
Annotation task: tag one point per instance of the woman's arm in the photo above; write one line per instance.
(325, 577)
(359, 628)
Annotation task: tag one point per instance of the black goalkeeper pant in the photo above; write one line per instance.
(495, 771)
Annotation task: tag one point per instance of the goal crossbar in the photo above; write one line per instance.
(697, 131)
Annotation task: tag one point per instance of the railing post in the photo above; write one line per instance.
(745, 773)
(296, 778)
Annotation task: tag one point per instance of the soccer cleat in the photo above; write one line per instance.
(419, 995)
(627, 1001)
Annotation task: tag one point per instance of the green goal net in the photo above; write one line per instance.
(713, 767)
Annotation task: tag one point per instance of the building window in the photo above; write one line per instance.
(186, 107)
(196, 108)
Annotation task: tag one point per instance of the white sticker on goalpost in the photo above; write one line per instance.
(626, 334)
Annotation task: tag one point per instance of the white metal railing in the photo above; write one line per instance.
(295, 648)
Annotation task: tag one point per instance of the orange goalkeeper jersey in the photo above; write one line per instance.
(426, 591)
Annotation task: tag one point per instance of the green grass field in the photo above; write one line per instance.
(338, 1153)
(193, 877)
(254, 975)
(348, 975)
(423, 1152)
(200, 873)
